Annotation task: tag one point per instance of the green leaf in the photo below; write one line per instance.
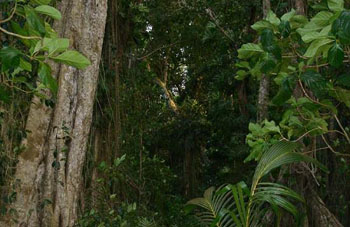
(311, 36)
(241, 74)
(268, 64)
(285, 91)
(46, 78)
(335, 55)
(288, 16)
(344, 80)
(53, 46)
(261, 25)
(267, 38)
(322, 18)
(10, 58)
(35, 21)
(40, 2)
(342, 95)
(280, 154)
(23, 64)
(341, 27)
(284, 28)
(50, 11)
(315, 82)
(313, 49)
(4, 94)
(272, 18)
(336, 5)
(72, 58)
(248, 50)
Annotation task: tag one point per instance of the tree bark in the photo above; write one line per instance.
(49, 171)
(264, 86)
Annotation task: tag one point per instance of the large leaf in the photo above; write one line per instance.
(288, 16)
(315, 82)
(341, 27)
(272, 18)
(336, 55)
(336, 5)
(50, 11)
(47, 79)
(40, 2)
(10, 58)
(342, 95)
(285, 91)
(322, 18)
(53, 46)
(215, 205)
(248, 50)
(34, 20)
(344, 80)
(315, 46)
(261, 25)
(72, 58)
(280, 154)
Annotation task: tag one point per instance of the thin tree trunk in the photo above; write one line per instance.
(264, 86)
(49, 171)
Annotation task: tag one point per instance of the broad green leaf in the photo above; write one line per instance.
(271, 126)
(40, 2)
(241, 74)
(272, 18)
(341, 27)
(298, 21)
(268, 64)
(261, 25)
(314, 81)
(73, 58)
(311, 36)
(284, 28)
(50, 33)
(315, 46)
(50, 11)
(53, 46)
(46, 78)
(248, 50)
(23, 64)
(342, 95)
(322, 18)
(344, 80)
(35, 21)
(10, 58)
(267, 38)
(288, 16)
(285, 91)
(336, 55)
(336, 5)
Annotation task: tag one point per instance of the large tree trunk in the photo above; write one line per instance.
(49, 171)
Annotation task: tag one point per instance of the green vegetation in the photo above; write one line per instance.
(205, 113)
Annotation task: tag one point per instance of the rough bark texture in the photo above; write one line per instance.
(264, 86)
(49, 171)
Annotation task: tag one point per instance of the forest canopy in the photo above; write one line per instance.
(174, 113)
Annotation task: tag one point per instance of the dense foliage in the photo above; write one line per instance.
(176, 106)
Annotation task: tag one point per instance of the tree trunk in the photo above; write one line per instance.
(49, 171)
(264, 86)
(317, 214)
